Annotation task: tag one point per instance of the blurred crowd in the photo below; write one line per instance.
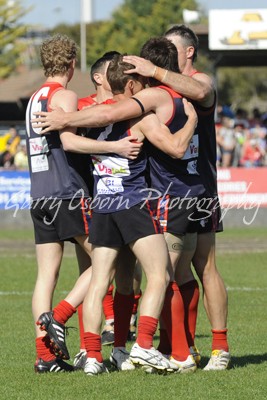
(13, 151)
(241, 138)
(241, 141)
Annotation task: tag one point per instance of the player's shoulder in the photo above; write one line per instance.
(156, 93)
(67, 99)
(86, 101)
(203, 77)
(65, 96)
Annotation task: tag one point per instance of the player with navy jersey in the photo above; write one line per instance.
(116, 178)
(47, 158)
(176, 176)
(181, 187)
(103, 94)
(203, 94)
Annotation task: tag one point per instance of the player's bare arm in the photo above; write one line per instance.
(95, 116)
(104, 114)
(200, 87)
(126, 147)
(67, 100)
(175, 145)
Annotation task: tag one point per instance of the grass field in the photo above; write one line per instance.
(241, 259)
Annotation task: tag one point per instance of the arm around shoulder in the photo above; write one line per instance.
(175, 145)
(199, 88)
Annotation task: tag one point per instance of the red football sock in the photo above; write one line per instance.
(81, 328)
(173, 317)
(43, 348)
(136, 302)
(63, 311)
(147, 327)
(190, 294)
(108, 304)
(93, 345)
(164, 344)
(123, 305)
(219, 339)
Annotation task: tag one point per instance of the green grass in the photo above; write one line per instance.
(245, 276)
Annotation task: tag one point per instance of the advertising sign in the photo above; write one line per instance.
(237, 188)
(242, 187)
(14, 190)
(238, 29)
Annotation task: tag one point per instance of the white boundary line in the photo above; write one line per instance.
(245, 289)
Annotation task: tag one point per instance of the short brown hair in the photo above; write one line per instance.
(116, 76)
(57, 53)
(188, 36)
(161, 52)
(99, 65)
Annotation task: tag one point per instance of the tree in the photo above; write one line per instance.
(138, 20)
(242, 87)
(11, 31)
(133, 23)
(73, 31)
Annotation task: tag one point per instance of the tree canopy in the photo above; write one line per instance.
(137, 20)
(242, 87)
(133, 23)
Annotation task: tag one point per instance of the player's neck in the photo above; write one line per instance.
(188, 70)
(103, 95)
(63, 80)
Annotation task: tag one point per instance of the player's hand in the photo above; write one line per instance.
(142, 66)
(190, 110)
(128, 147)
(49, 121)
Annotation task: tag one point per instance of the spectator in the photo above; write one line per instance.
(13, 141)
(6, 160)
(241, 118)
(226, 141)
(259, 132)
(256, 118)
(3, 141)
(240, 134)
(21, 158)
(252, 154)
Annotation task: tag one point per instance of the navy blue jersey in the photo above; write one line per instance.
(176, 177)
(119, 183)
(53, 172)
(206, 164)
